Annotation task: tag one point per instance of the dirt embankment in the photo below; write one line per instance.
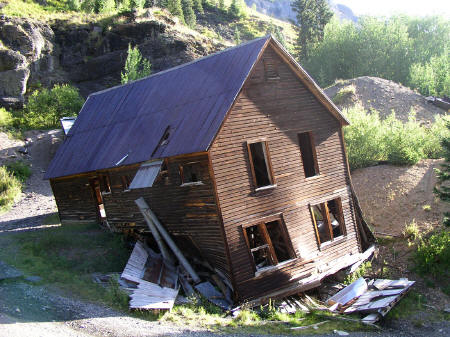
(385, 96)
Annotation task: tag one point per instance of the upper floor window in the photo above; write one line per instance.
(328, 219)
(308, 153)
(268, 243)
(190, 173)
(260, 164)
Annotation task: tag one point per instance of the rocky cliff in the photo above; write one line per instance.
(90, 56)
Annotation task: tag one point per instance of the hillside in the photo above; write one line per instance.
(383, 96)
(42, 45)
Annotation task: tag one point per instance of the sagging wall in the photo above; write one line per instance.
(189, 212)
(75, 199)
(275, 106)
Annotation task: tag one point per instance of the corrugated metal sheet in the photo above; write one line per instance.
(192, 100)
(146, 175)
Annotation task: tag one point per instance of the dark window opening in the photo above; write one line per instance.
(328, 220)
(308, 153)
(268, 244)
(260, 164)
(165, 137)
(164, 173)
(106, 184)
(190, 173)
(126, 181)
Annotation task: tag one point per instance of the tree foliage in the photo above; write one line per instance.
(175, 8)
(46, 107)
(411, 51)
(136, 66)
(237, 9)
(312, 17)
(188, 12)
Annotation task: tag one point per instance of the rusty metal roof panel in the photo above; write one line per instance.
(192, 100)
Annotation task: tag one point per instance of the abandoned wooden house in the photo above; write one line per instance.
(239, 154)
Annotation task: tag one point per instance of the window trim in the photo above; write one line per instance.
(314, 154)
(189, 183)
(268, 164)
(324, 206)
(262, 223)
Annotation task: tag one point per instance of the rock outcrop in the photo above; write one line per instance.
(26, 50)
(89, 56)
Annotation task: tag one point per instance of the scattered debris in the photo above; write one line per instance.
(341, 333)
(156, 281)
(376, 297)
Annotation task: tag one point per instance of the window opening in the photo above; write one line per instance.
(106, 184)
(260, 164)
(190, 173)
(271, 69)
(126, 181)
(328, 220)
(308, 153)
(268, 244)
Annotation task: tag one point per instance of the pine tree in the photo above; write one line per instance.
(237, 9)
(442, 190)
(312, 16)
(222, 4)
(189, 15)
(175, 8)
(136, 66)
(198, 5)
(237, 36)
(138, 4)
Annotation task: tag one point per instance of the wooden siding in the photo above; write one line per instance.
(75, 199)
(276, 110)
(188, 212)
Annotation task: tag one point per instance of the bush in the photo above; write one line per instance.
(363, 137)
(370, 140)
(433, 255)
(405, 141)
(10, 189)
(19, 169)
(432, 78)
(6, 118)
(344, 93)
(46, 107)
(136, 66)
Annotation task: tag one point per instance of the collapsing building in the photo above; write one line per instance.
(239, 154)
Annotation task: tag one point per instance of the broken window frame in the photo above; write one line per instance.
(262, 228)
(105, 183)
(268, 165)
(184, 181)
(306, 161)
(325, 212)
(126, 181)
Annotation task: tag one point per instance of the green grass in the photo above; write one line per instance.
(412, 303)
(19, 169)
(66, 256)
(10, 189)
(344, 94)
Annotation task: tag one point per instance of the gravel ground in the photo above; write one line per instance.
(31, 310)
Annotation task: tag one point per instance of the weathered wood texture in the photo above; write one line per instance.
(276, 110)
(189, 213)
(75, 199)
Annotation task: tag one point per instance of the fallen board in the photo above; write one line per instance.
(149, 295)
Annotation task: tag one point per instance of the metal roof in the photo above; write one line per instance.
(190, 101)
(173, 112)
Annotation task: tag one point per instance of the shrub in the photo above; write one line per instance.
(364, 137)
(344, 93)
(433, 255)
(404, 141)
(136, 66)
(10, 189)
(46, 107)
(411, 231)
(138, 4)
(6, 118)
(435, 136)
(432, 78)
(19, 169)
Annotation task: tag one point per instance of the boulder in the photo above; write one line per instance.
(13, 83)
(10, 60)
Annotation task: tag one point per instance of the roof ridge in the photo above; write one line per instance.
(181, 65)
